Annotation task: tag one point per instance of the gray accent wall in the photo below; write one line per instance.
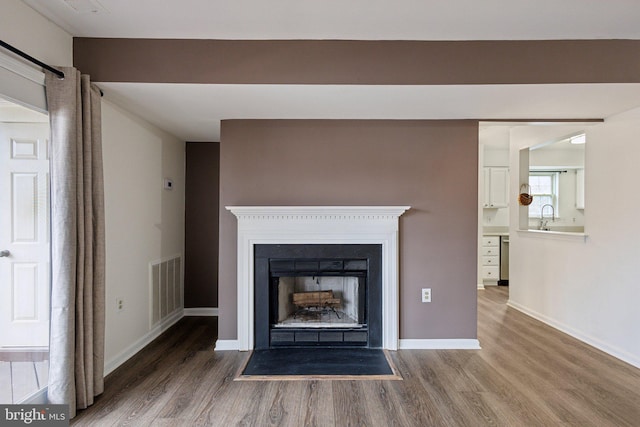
(201, 225)
(429, 165)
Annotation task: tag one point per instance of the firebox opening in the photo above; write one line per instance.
(320, 302)
(322, 295)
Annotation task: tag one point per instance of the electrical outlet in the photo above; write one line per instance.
(426, 294)
(119, 304)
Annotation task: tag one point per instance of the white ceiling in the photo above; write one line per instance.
(350, 19)
(193, 112)
(548, 136)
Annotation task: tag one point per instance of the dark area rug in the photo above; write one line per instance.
(318, 362)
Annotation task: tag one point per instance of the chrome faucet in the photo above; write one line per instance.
(543, 223)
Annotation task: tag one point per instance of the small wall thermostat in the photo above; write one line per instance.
(168, 184)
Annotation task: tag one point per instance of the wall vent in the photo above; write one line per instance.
(85, 6)
(165, 288)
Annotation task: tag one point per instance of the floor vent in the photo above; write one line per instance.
(165, 278)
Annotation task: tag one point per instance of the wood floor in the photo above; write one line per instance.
(22, 373)
(527, 374)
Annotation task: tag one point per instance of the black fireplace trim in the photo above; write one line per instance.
(326, 257)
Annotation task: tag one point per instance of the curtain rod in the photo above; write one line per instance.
(30, 58)
(39, 63)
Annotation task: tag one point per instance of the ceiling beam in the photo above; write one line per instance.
(358, 62)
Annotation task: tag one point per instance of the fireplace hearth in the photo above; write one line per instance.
(320, 295)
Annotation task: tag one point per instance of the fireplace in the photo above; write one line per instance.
(315, 225)
(321, 295)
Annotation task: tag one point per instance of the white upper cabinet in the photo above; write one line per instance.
(496, 187)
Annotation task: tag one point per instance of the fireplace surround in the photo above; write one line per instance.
(317, 225)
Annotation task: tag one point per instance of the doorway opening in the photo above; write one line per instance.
(553, 172)
(24, 252)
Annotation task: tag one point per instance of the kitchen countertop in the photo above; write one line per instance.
(495, 231)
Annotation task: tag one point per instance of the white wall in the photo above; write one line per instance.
(23, 28)
(588, 289)
(27, 30)
(144, 222)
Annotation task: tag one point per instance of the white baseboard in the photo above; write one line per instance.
(141, 343)
(201, 311)
(439, 344)
(480, 286)
(579, 335)
(227, 345)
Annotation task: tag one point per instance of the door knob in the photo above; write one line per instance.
(4, 254)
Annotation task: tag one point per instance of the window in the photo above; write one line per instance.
(544, 188)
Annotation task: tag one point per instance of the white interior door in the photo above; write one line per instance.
(24, 235)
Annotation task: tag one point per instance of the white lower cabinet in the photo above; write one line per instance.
(491, 258)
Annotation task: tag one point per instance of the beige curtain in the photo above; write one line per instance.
(76, 365)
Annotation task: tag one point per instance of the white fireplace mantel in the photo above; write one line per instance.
(318, 225)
